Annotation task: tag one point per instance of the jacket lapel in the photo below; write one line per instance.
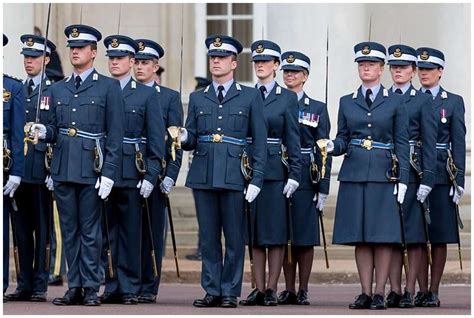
(231, 93)
(359, 100)
(127, 90)
(379, 99)
(272, 96)
(87, 83)
(210, 94)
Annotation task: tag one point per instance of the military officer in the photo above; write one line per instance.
(270, 211)
(311, 195)
(372, 133)
(144, 139)
(13, 159)
(220, 118)
(450, 145)
(146, 64)
(34, 199)
(422, 132)
(86, 110)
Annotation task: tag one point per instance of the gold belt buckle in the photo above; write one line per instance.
(72, 132)
(216, 138)
(367, 144)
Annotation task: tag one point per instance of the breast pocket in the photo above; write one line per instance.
(63, 110)
(95, 108)
(238, 118)
(203, 118)
(134, 117)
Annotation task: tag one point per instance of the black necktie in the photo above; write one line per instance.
(263, 90)
(367, 97)
(428, 92)
(31, 84)
(220, 95)
(78, 81)
(398, 91)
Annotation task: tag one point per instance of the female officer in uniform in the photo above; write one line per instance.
(372, 130)
(451, 144)
(422, 134)
(314, 125)
(270, 210)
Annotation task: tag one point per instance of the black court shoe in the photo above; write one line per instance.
(208, 301)
(229, 302)
(362, 301)
(270, 298)
(287, 297)
(393, 299)
(302, 297)
(73, 296)
(254, 298)
(378, 302)
(419, 298)
(431, 300)
(90, 297)
(407, 300)
(19, 295)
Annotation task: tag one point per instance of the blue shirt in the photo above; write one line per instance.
(84, 74)
(375, 91)
(434, 90)
(150, 84)
(404, 88)
(124, 81)
(268, 86)
(36, 80)
(226, 85)
(300, 95)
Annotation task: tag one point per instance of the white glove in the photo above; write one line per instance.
(146, 187)
(49, 183)
(422, 193)
(183, 133)
(402, 189)
(251, 192)
(290, 187)
(330, 146)
(321, 197)
(12, 184)
(41, 131)
(457, 197)
(166, 185)
(104, 185)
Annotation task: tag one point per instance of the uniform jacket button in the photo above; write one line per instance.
(75, 95)
(369, 125)
(369, 114)
(73, 109)
(220, 106)
(73, 123)
(220, 117)
(219, 129)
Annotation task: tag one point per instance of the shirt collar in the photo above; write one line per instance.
(226, 85)
(268, 86)
(84, 74)
(404, 88)
(150, 83)
(434, 90)
(124, 81)
(300, 95)
(375, 90)
(36, 80)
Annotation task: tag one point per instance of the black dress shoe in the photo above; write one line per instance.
(378, 302)
(407, 300)
(419, 298)
(90, 297)
(362, 301)
(302, 297)
(270, 298)
(208, 301)
(393, 299)
(229, 302)
(287, 297)
(431, 300)
(129, 299)
(19, 295)
(146, 298)
(5, 299)
(110, 298)
(253, 299)
(55, 280)
(73, 296)
(194, 257)
(38, 297)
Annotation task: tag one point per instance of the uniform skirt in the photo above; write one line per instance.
(269, 216)
(413, 215)
(305, 219)
(366, 212)
(443, 228)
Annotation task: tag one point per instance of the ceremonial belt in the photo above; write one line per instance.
(443, 146)
(138, 140)
(222, 138)
(99, 157)
(416, 143)
(270, 141)
(307, 151)
(369, 144)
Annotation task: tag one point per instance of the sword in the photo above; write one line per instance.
(173, 238)
(452, 172)
(152, 252)
(16, 255)
(289, 220)
(321, 143)
(246, 170)
(324, 238)
(108, 249)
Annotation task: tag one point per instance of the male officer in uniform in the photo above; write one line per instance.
(85, 124)
(34, 199)
(146, 64)
(144, 139)
(220, 118)
(13, 159)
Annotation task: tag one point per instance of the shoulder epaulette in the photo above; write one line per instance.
(13, 77)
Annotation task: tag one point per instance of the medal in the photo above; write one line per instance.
(444, 120)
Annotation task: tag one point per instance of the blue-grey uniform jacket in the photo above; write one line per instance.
(240, 115)
(452, 132)
(421, 127)
(308, 137)
(386, 122)
(143, 119)
(280, 109)
(35, 167)
(172, 111)
(13, 122)
(96, 107)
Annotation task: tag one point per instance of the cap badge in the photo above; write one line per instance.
(30, 42)
(141, 46)
(397, 52)
(366, 50)
(260, 49)
(424, 55)
(75, 33)
(290, 58)
(217, 42)
(115, 43)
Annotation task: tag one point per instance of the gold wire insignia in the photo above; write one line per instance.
(141, 46)
(366, 50)
(424, 55)
(217, 42)
(397, 52)
(290, 58)
(30, 42)
(115, 43)
(75, 33)
(259, 48)
(6, 95)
